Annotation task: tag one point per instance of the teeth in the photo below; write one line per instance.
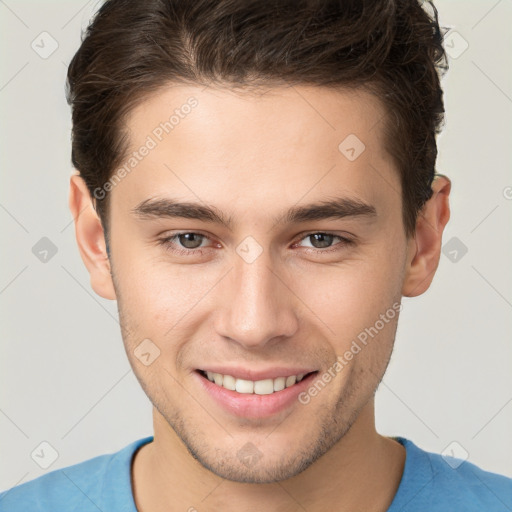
(290, 381)
(259, 387)
(229, 382)
(279, 384)
(244, 386)
(264, 387)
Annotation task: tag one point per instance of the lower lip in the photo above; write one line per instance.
(250, 405)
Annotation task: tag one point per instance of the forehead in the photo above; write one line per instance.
(236, 114)
(276, 144)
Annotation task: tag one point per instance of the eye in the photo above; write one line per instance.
(322, 242)
(189, 241)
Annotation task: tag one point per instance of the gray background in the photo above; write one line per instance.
(65, 378)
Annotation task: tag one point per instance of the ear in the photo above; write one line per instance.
(90, 238)
(424, 249)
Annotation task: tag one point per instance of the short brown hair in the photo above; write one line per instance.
(392, 48)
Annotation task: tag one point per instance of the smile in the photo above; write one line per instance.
(258, 387)
(254, 394)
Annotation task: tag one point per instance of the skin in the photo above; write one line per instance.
(267, 151)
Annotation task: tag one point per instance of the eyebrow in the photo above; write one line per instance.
(335, 208)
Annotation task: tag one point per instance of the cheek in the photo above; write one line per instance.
(160, 297)
(352, 295)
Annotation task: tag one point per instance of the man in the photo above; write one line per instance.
(256, 188)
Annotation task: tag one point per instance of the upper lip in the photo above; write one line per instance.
(255, 375)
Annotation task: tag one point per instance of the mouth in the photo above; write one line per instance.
(261, 398)
(267, 386)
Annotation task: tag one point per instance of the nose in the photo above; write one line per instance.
(257, 305)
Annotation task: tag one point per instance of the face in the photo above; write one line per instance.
(257, 279)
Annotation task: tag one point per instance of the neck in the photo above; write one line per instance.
(362, 471)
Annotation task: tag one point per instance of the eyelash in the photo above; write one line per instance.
(167, 243)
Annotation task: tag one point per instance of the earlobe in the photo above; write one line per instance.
(425, 249)
(90, 238)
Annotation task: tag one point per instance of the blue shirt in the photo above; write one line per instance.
(430, 482)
